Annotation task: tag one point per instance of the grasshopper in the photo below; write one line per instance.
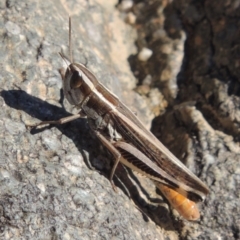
(125, 136)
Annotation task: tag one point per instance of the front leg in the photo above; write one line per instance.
(117, 155)
(59, 121)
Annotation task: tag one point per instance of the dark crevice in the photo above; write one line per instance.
(39, 51)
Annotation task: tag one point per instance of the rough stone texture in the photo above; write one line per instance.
(54, 180)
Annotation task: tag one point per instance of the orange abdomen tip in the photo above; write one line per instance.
(185, 207)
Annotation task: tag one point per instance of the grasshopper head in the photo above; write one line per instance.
(76, 82)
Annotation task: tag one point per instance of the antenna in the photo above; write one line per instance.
(70, 40)
(64, 58)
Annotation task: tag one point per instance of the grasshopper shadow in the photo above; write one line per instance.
(124, 178)
(44, 111)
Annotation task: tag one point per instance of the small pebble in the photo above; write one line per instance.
(131, 18)
(145, 54)
(125, 5)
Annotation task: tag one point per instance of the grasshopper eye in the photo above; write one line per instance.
(76, 80)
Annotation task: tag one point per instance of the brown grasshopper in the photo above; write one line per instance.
(124, 135)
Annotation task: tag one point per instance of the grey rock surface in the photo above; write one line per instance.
(54, 180)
